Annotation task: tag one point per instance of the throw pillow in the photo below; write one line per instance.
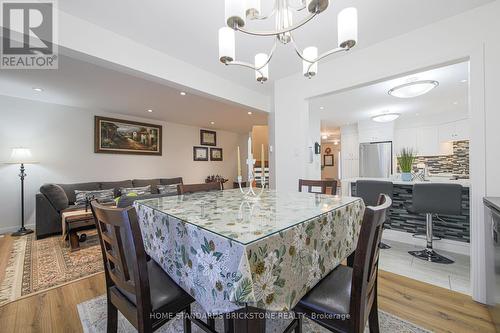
(138, 190)
(101, 196)
(167, 189)
(56, 195)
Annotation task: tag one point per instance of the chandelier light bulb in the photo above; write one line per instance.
(263, 74)
(235, 13)
(227, 49)
(284, 20)
(253, 9)
(348, 27)
(311, 54)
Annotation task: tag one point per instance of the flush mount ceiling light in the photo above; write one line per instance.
(38, 89)
(182, 93)
(150, 111)
(386, 117)
(413, 89)
(239, 12)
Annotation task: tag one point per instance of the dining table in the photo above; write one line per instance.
(235, 253)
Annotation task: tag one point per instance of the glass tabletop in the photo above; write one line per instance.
(229, 214)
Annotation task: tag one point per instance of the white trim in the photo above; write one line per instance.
(11, 229)
(443, 244)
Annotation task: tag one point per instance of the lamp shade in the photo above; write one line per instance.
(227, 47)
(260, 60)
(310, 53)
(21, 156)
(348, 27)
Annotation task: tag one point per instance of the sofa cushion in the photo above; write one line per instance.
(56, 196)
(168, 189)
(145, 182)
(126, 201)
(171, 181)
(101, 196)
(137, 190)
(116, 186)
(70, 189)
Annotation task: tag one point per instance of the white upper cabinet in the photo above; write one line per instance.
(405, 138)
(454, 131)
(370, 131)
(428, 141)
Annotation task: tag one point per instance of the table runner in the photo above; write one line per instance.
(271, 273)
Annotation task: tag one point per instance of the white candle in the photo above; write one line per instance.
(239, 162)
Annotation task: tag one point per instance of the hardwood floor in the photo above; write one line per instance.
(434, 308)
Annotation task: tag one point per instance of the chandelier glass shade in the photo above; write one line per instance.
(239, 12)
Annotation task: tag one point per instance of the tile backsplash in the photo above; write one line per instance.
(456, 164)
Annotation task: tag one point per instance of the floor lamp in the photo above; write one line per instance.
(21, 156)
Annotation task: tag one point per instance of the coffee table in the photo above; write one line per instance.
(74, 221)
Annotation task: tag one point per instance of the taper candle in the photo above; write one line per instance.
(239, 162)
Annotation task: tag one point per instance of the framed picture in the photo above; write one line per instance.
(215, 154)
(200, 154)
(117, 136)
(328, 160)
(208, 138)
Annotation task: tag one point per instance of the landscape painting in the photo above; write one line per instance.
(117, 136)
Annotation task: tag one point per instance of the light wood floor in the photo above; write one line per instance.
(434, 308)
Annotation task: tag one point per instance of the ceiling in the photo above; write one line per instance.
(82, 84)
(349, 107)
(187, 30)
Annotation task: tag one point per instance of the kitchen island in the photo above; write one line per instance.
(452, 227)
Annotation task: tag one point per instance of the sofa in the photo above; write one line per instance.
(53, 199)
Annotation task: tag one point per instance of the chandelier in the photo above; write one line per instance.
(239, 12)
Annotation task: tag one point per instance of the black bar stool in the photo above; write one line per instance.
(369, 191)
(432, 199)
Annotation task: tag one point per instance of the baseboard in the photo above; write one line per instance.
(8, 230)
(443, 244)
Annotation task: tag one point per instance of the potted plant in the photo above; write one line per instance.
(406, 159)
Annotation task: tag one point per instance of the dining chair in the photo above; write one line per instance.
(137, 287)
(323, 184)
(193, 188)
(369, 191)
(347, 297)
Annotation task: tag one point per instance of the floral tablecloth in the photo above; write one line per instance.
(227, 251)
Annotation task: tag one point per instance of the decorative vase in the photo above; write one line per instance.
(406, 176)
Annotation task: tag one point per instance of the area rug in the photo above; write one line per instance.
(38, 265)
(93, 319)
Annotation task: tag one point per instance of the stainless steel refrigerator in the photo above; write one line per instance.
(375, 159)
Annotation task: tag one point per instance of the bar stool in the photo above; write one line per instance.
(369, 191)
(432, 199)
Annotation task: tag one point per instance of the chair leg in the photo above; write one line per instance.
(373, 316)
(112, 323)
(211, 322)
(298, 328)
(187, 321)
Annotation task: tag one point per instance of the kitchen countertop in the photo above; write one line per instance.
(493, 202)
(439, 180)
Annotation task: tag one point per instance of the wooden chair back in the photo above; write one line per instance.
(125, 261)
(365, 268)
(193, 188)
(323, 184)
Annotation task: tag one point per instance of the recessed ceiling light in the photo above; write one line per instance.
(416, 114)
(386, 117)
(321, 107)
(324, 136)
(183, 93)
(413, 89)
(249, 112)
(149, 110)
(38, 89)
(336, 142)
(463, 81)
(455, 103)
(212, 123)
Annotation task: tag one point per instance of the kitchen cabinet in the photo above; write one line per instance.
(405, 138)
(454, 131)
(425, 141)
(375, 135)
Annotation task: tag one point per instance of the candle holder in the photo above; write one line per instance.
(249, 192)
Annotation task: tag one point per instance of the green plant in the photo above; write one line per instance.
(405, 159)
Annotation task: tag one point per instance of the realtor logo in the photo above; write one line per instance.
(28, 35)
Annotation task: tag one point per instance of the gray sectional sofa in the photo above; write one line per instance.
(54, 198)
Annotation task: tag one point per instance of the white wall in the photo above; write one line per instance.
(472, 35)
(62, 139)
